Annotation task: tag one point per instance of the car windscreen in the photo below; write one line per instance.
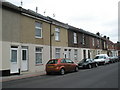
(98, 57)
(82, 61)
(52, 62)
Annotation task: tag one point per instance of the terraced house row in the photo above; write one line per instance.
(30, 39)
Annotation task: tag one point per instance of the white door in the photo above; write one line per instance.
(24, 61)
(14, 61)
(66, 54)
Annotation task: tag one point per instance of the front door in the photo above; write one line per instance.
(65, 53)
(24, 61)
(84, 54)
(14, 60)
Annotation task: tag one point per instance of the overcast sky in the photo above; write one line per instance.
(90, 15)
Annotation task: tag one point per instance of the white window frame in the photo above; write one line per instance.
(83, 39)
(39, 52)
(57, 34)
(75, 38)
(98, 42)
(38, 28)
(57, 52)
(93, 41)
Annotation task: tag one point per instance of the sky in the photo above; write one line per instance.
(90, 15)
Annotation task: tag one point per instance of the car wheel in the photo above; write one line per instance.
(76, 69)
(96, 65)
(62, 71)
(89, 66)
(104, 63)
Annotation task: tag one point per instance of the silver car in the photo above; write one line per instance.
(102, 59)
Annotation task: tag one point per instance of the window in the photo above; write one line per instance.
(69, 61)
(57, 53)
(38, 54)
(93, 41)
(57, 34)
(63, 61)
(52, 62)
(75, 37)
(14, 56)
(83, 39)
(38, 30)
(98, 43)
(24, 56)
(75, 54)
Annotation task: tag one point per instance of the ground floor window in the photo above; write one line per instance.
(57, 53)
(38, 55)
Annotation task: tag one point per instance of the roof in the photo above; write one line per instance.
(82, 31)
(22, 10)
(58, 23)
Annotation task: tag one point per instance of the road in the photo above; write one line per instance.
(101, 77)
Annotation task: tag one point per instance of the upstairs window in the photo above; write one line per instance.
(93, 41)
(98, 43)
(75, 37)
(57, 34)
(38, 30)
(83, 37)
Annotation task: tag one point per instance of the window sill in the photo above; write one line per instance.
(38, 64)
(38, 37)
(75, 43)
(57, 40)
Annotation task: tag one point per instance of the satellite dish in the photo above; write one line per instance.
(53, 15)
(21, 3)
(36, 9)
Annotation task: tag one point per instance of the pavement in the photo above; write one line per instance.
(21, 76)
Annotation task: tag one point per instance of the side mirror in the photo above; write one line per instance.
(72, 62)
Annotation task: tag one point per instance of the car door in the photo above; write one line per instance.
(70, 64)
(64, 64)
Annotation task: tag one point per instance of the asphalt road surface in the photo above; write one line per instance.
(101, 77)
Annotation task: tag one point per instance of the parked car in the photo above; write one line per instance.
(118, 58)
(113, 59)
(60, 66)
(87, 63)
(102, 59)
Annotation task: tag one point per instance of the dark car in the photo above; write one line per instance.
(87, 63)
(61, 65)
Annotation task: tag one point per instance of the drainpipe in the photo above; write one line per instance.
(50, 40)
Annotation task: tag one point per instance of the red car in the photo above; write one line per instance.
(61, 66)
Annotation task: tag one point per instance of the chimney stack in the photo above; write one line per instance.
(98, 33)
(104, 36)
